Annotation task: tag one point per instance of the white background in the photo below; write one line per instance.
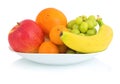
(104, 68)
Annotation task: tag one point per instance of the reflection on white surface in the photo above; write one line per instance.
(89, 65)
(57, 59)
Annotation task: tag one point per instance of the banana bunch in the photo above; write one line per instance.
(89, 44)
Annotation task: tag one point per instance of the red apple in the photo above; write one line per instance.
(26, 36)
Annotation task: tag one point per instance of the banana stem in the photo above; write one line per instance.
(99, 20)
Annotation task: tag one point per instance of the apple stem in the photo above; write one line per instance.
(18, 23)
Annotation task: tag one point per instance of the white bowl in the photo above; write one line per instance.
(57, 59)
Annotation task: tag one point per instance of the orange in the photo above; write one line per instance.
(54, 34)
(50, 17)
(48, 47)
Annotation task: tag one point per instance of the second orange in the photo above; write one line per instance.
(54, 34)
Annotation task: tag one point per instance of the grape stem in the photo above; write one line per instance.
(99, 20)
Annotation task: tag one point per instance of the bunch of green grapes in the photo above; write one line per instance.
(83, 25)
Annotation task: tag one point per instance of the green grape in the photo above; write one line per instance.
(79, 20)
(75, 31)
(70, 24)
(84, 17)
(91, 32)
(75, 26)
(82, 34)
(70, 51)
(83, 27)
(95, 23)
(91, 17)
(79, 52)
(90, 24)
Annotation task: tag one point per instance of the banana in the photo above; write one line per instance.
(89, 44)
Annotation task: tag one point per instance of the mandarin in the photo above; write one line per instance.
(48, 47)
